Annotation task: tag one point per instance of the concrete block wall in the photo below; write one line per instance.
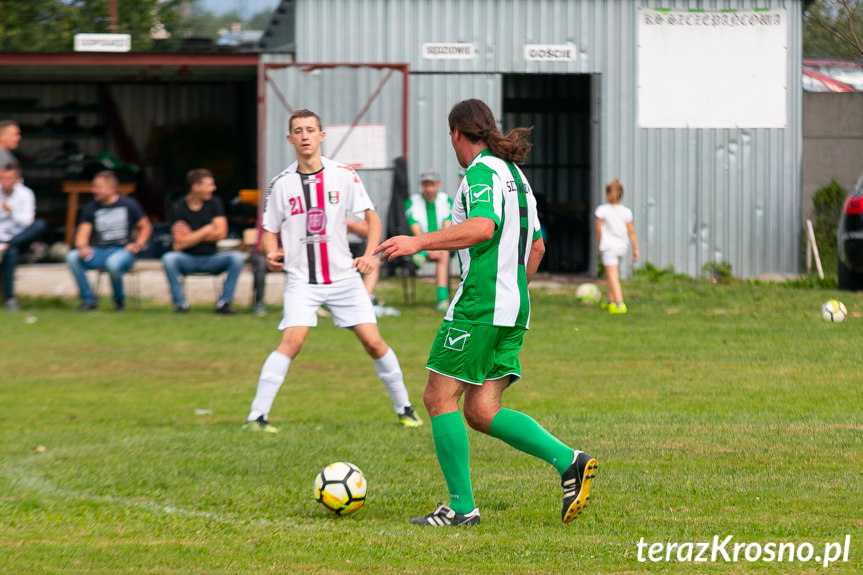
(832, 142)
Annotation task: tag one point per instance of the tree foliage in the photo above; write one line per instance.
(831, 28)
(206, 24)
(50, 25)
(834, 29)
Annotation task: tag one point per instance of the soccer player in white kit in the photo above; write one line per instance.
(496, 231)
(307, 204)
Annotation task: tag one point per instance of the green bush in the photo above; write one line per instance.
(717, 272)
(654, 274)
(827, 202)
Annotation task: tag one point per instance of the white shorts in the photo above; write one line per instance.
(612, 257)
(347, 300)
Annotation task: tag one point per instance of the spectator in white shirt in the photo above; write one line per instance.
(18, 226)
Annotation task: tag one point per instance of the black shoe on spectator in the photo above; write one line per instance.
(224, 308)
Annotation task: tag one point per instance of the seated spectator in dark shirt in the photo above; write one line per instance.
(199, 222)
(112, 232)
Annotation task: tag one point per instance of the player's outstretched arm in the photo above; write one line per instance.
(466, 234)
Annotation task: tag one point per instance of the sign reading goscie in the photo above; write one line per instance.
(550, 52)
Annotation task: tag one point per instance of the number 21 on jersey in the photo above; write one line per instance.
(296, 205)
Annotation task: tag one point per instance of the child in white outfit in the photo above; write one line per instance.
(614, 232)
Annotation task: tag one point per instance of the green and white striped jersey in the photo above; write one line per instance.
(429, 215)
(493, 289)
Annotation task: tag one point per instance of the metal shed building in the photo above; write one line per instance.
(695, 105)
(162, 113)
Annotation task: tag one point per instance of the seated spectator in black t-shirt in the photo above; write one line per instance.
(198, 223)
(112, 232)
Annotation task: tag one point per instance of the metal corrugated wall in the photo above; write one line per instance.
(337, 95)
(381, 31)
(710, 195)
(43, 132)
(143, 108)
(432, 97)
(387, 31)
(698, 195)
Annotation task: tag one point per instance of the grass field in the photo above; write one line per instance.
(712, 410)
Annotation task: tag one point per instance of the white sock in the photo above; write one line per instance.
(390, 373)
(272, 376)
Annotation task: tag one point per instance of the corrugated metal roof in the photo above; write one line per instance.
(279, 34)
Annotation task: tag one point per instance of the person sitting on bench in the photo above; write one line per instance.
(199, 222)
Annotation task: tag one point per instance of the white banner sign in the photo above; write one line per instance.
(362, 147)
(549, 52)
(103, 42)
(448, 51)
(712, 69)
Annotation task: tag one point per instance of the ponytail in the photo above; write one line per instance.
(513, 147)
(474, 119)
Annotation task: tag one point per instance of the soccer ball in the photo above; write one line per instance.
(341, 488)
(834, 311)
(588, 293)
(57, 252)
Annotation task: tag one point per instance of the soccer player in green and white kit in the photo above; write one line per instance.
(427, 212)
(496, 232)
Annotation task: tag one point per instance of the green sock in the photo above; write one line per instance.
(525, 434)
(453, 454)
(442, 293)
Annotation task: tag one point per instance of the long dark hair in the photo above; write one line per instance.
(474, 119)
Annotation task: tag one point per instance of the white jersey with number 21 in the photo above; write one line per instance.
(310, 212)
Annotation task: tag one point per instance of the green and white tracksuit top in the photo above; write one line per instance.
(493, 289)
(429, 215)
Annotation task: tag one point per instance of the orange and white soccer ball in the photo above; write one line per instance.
(341, 488)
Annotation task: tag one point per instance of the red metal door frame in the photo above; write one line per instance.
(263, 78)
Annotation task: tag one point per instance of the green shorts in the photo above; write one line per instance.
(475, 353)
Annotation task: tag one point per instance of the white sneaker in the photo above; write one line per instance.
(386, 311)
